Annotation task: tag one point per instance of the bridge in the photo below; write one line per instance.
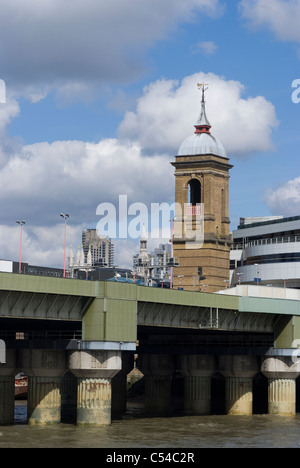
(55, 329)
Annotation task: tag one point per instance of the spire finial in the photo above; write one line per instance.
(202, 85)
(202, 125)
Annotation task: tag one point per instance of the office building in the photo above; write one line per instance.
(266, 251)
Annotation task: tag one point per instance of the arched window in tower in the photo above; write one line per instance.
(194, 192)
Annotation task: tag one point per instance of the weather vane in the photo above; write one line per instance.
(202, 85)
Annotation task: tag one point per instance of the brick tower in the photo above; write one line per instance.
(201, 199)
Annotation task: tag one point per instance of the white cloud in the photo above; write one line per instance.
(207, 47)
(41, 245)
(281, 16)
(167, 110)
(124, 251)
(35, 183)
(8, 111)
(36, 180)
(285, 200)
(69, 44)
(39, 181)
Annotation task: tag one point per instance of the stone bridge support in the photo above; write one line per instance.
(158, 370)
(7, 388)
(197, 371)
(69, 398)
(281, 372)
(238, 372)
(45, 369)
(94, 371)
(119, 385)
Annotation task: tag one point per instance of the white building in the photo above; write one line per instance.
(266, 251)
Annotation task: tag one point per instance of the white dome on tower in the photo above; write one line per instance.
(202, 141)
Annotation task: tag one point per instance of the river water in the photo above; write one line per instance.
(136, 430)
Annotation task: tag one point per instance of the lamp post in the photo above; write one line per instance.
(65, 216)
(21, 223)
(171, 270)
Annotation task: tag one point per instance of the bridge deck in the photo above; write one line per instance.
(113, 311)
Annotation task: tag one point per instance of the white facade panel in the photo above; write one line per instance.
(267, 229)
(6, 266)
(269, 272)
(271, 249)
(262, 291)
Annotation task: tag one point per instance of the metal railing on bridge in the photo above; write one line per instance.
(49, 335)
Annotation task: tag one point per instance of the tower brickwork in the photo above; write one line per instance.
(201, 196)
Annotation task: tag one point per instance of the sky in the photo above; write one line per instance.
(96, 97)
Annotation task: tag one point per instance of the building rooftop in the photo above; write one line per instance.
(265, 221)
(262, 291)
(201, 143)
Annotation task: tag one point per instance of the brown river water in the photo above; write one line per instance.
(137, 430)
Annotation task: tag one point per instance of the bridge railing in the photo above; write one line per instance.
(41, 335)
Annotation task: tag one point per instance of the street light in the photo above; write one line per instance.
(21, 226)
(171, 270)
(65, 216)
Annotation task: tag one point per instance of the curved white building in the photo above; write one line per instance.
(266, 251)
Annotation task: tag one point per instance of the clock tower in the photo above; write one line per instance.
(201, 239)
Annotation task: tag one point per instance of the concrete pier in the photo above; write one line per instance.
(119, 386)
(7, 388)
(69, 398)
(281, 373)
(44, 400)
(197, 371)
(94, 371)
(93, 401)
(45, 369)
(238, 372)
(158, 370)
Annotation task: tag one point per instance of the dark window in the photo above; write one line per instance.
(194, 192)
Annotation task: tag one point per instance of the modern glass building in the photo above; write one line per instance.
(266, 251)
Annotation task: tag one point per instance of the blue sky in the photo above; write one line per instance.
(99, 96)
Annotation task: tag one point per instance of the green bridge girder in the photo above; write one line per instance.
(112, 311)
